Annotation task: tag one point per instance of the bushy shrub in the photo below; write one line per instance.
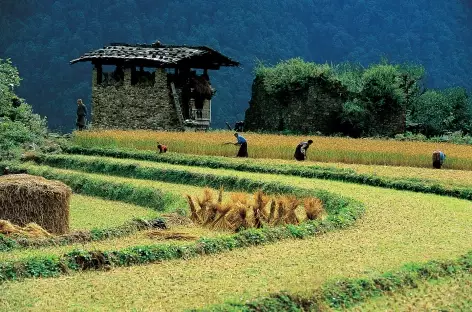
(436, 112)
(376, 98)
(291, 74)
(382, 99)
(20, 128)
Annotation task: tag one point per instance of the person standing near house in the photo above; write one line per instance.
(81, 115)
(242, 145)
(300, 150)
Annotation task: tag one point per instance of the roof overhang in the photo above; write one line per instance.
(158, 56)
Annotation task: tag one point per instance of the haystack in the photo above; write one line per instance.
(28, 199)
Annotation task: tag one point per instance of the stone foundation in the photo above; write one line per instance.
(304, 110)
(138, 106)
(316, 107)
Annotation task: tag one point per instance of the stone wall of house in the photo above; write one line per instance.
(314, 108)
(127, 106)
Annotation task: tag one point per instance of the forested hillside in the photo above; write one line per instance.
(41, 37)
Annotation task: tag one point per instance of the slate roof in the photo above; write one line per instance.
(157, 55)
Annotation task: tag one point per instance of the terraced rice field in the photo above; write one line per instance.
(449, 294)
(459, 178)
(90, 212)
(324, 149)
(398, 227)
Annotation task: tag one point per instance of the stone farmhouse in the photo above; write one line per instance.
(158, 87)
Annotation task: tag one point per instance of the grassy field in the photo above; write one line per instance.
(88, 212)
(398, 227)
(449, 294)
(324, 149)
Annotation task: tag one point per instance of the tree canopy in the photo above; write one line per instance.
(18, 125)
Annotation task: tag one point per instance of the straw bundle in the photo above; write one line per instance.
(291, 204)
(314, 208)
(239, 213)
(30, 230)
(26, 199)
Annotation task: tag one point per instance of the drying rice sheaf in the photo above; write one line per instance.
(28, 199)
(30, 230)
(240, 213)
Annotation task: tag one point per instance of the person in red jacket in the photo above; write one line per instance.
(162, 148)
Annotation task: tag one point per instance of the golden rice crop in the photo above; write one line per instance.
(324, 149)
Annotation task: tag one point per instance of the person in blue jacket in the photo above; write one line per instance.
(242, 145)
(438, 159)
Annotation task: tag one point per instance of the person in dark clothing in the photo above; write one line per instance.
(162, 148)
(300, 151)
(242, 145)
(438, 159)
(239, 126)
(81, 115)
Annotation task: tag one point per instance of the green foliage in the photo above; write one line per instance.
(350, 75)
(382, 99)
(274, 303)
(347, 292)
(436, 112)
(381, 81)
(355, 116)
(156, 174)
(409, 80)
(177, 176)
(19, 127)
(377, 96)
(432, 112)
(7, 243)
(291, 75)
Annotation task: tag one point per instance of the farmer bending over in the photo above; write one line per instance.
(300, 151)
(162, 148)
(242, 145)
(438, 159)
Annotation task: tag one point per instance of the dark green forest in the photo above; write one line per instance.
(41, 37)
